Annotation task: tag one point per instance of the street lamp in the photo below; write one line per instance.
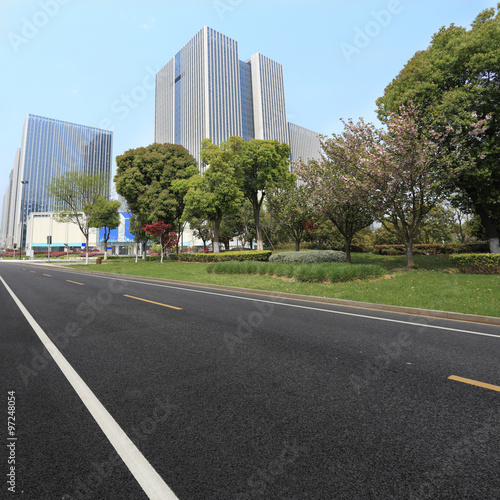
(22, 220)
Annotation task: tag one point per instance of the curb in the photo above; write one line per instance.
(471, 318)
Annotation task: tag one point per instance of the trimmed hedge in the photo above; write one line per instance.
(484, 263)
(309, 257)
(432, 249)
(256, 255)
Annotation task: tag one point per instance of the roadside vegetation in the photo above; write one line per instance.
(433, 284)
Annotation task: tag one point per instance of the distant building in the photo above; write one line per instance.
(50, 148)
(206, 91)
(304, 143)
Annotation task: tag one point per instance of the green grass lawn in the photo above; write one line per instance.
(432, 286)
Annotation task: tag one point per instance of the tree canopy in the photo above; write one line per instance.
(145, 176)
(453, 82)
(75, 195)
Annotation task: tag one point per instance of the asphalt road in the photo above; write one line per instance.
(217, 395)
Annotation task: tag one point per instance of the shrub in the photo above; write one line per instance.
(432, 249)
(309, 256)
(484, 263)
(255, 255)
(311, 273)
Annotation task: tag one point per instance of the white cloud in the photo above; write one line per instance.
(149, 25)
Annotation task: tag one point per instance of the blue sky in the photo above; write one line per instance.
(93, 61)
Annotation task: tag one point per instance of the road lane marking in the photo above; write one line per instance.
(76, 282)
(318, 309)
(151, 302)
(49, 275)
(475, 382)
(150, 481)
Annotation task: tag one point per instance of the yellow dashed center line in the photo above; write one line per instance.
(49, 275)
(151, 302)
(475, 382)
(76, 282)
(32, 271)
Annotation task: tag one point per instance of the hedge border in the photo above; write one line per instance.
(483, 263)
(256, 255)
(432, 249)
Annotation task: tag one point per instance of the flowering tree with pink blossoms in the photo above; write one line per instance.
(337, 183)
(409, 170)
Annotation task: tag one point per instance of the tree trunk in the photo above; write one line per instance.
(258, 229)
(491, 230)
(86, 249)
(409, 253)
(216, 234)
(161, 250)
(348, 250)
(297, 245)
(136, 252)
(144, 251)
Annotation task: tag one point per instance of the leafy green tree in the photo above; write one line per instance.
(438, 226)
(216, 193)
(201, 230)
(262, 163)
(453, 81)
(145, 178)
(290, 204)
(75, 195)
(105, 215)
(140, 236)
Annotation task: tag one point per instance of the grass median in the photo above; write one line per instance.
(433, 285)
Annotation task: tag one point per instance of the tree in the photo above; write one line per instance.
(75, 195)
(140, 236)
(338, 183)
(408, 174)
(216, 193)
(162, 232)
(105, 215)
(454, 80)
(201, 230)
(145, 178)
(261, 164)
(290, 204)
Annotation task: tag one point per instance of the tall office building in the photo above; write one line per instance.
(49, 149)
(206, 91)
(304, 143)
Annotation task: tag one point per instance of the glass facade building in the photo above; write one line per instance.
(51, 148)
(206, 91)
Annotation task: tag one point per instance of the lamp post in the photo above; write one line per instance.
(22, 220)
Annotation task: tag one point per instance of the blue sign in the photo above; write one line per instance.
(84, 245)
(122, 233)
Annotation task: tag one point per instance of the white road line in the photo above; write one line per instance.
(150, 481)
(343, 313)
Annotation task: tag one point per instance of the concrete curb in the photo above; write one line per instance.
(471, 318)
